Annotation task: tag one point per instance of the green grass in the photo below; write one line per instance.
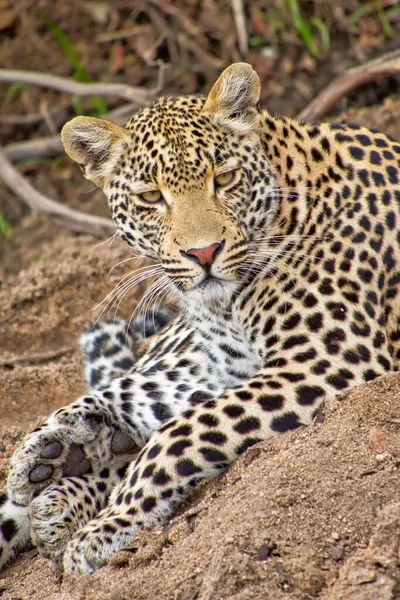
(12, 91)
(387, 28)
(383, 15)
(304, 29)
(358, 15)
(6, 230)
(98, 102)
(296, 16)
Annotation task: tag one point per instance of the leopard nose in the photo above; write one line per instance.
(205, 256)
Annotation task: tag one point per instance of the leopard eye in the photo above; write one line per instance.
(153, 196)
(225, 178)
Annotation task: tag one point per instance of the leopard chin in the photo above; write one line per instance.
(212, 293)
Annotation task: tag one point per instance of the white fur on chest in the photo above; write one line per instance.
(227, 347)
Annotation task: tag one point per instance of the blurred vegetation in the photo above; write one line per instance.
(297, 47)
(123, 40)
(98, 103)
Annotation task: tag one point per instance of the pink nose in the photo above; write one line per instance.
(205, 256)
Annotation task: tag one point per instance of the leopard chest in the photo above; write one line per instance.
(229, 352)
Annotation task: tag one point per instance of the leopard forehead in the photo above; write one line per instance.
(174, 139)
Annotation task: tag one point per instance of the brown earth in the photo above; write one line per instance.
(313, 514)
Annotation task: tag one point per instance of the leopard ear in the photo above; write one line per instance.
(94, 144)
(233, 99)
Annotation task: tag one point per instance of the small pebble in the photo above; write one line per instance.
(382, 457)
(359, 576)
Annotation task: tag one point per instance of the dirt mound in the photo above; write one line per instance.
(312, 514)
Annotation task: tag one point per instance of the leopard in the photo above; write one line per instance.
(279, 241)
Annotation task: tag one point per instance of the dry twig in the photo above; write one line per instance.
(72, 219)
(51, 146)
(133, 94)
(384, 66)
(46, 147)
(240, 22)
(112, 36)
(57, 113)
(189, 36)
(34, 359)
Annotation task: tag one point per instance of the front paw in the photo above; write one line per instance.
(52, 524)
(72, 442)
(93, 545)
(86, 553)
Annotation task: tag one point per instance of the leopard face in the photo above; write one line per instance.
(189, 184)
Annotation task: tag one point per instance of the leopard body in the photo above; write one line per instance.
(281, 242)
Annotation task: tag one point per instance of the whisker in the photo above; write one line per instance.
(120, 291)
(136, 276)
(136, 258)
(131, 283)
(152, 300)
(143, 300)
(110, 239)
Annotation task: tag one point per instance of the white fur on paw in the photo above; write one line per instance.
(82, 557)
(51, 524)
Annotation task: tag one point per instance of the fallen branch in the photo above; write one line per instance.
(384, 66)
(34, 359)
(240, 23)
(58, 113)
(138, 95)
(72, 219)
(46, 147)
(51, 146)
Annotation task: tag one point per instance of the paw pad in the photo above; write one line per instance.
(122, 443)
(76, 463)
(40, 473)
(52, 450)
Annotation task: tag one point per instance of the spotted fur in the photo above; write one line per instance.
(288, 277)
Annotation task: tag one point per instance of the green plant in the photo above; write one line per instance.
(276, 25)
(12, 90)
(98, 102)
(6, 230)
(383, 15)
(136, 12)
(358, 15)
(304, 29)
(387, 28)
(255, 41)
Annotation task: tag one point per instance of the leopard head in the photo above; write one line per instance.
(188, 182)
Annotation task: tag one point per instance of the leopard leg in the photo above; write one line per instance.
(107, 427)
(198, 445)
(109, 352)
(64, 507)
(109, 344)
(14, 528)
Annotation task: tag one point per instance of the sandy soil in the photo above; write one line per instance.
(313, 514)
